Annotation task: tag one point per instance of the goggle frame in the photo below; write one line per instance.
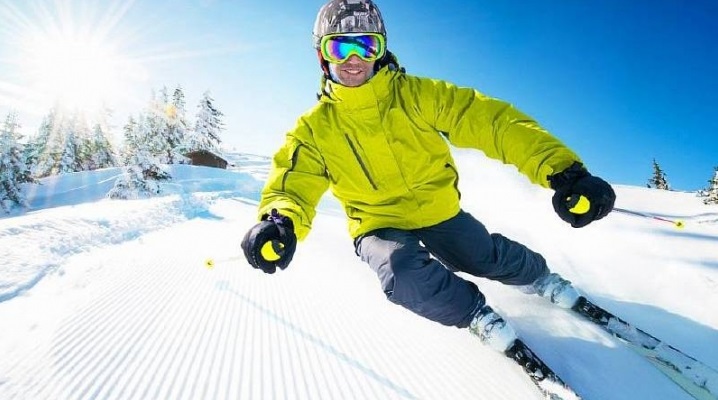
(355, 48)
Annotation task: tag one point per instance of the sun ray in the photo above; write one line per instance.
(13, 21)
(84, 54)
(114, 14)
(65, 52)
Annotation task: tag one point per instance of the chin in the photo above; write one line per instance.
(355, 80)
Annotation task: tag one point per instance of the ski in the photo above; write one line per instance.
(550, 384)
(696, 378)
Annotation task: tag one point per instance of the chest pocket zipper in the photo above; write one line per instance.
(361, 162)
(295, 155)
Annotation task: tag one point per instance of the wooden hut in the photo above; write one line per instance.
(206, 158)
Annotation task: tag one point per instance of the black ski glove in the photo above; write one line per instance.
(270, 243)
(580, 197)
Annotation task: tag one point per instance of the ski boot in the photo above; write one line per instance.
(554, 288)
(492, 329)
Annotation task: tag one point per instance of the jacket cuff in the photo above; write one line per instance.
(568, 177)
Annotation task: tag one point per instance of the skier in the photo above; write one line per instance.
(378, 139)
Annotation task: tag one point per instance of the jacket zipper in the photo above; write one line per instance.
(456, 181)
(361, 163)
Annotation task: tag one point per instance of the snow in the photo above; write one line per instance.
(118, 299)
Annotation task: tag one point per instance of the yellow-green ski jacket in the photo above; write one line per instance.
(382, 150)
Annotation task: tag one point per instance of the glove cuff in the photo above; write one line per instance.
(568, 177)
(278, 219)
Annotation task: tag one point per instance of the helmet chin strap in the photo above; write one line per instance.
(388, 59)
(324, 64)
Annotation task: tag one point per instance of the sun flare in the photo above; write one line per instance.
(87, 55)
(70, 54)
(77, 71)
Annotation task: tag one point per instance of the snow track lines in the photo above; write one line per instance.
(146, 319)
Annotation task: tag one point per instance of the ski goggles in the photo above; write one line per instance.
(337, 48)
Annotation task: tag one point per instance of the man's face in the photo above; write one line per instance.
(353, 72)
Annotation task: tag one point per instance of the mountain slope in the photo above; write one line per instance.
(121, 303)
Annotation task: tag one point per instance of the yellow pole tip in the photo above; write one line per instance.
(209, 263)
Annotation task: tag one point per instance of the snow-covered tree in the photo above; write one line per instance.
(658, 180)
(45, 145)
(102, 154)
(176, 114)
(129, 144)
(154, 119)
(208, 126)
(144, 169)
(13, 170)
(71, 150)
(37, 146)
(711, 192)
(166, 121)
(141, 180)
(84, 150)
(63, 144)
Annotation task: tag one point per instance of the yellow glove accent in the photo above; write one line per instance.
(581, 207)
(271, 250)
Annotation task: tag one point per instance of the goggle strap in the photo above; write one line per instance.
(323, 63)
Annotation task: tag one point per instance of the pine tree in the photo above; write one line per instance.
(154, 119)
(176, 114)
(29, 156)
(84, 146)
(208, 126)
(144, 169)
(102, 154)
(711, 192)
(45, 145)
(129, 144)
(13, 170)
(71, 150)
(62, 145)
(34, 150)
(658, 181)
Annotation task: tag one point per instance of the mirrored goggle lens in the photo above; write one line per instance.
(340, 47)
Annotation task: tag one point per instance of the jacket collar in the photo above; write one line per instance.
(364, 96)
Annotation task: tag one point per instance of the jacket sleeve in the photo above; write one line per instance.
(471, 119)
(296, 181)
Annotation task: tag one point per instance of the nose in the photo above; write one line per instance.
(353, 59)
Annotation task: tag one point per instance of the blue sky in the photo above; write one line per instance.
(620, 82)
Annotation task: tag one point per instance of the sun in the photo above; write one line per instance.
(78, 71)
(89, 55)
(69, 54)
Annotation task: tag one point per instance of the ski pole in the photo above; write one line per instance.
(210, 262)
(677, 223)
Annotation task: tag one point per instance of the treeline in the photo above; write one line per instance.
(659, 180)
(68, 142)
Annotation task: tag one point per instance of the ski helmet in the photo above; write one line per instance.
(347, 16)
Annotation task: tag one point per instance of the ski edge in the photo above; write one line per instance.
(696, 378)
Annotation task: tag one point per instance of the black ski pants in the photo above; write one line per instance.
(416, 267)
